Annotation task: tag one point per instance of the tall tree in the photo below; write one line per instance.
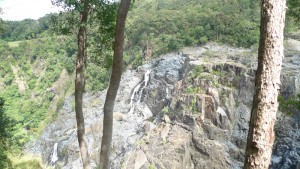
(99, 16)
(83, 8)
(80, 82)
(114, 84)
(267, 84)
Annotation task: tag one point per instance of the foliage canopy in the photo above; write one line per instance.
(6, 128)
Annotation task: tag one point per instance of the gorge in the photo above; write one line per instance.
(188, 109)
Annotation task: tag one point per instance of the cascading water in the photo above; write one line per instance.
(135, 91)
(54, 157)
(138, 91)
(167, 91)
(146, 81)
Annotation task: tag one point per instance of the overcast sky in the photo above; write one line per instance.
(23, 9)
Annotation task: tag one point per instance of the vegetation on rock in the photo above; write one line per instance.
(290, 105)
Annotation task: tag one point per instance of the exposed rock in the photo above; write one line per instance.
(18, 79)
(186, 110)
(215, 94)
(140, 159)
(118, 116)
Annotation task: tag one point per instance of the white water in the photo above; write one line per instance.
(138, 92)
(167, 91)
(146, 81)
(135, 91)
(54, 155)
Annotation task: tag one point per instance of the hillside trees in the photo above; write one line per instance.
(38, 63)
(6, 126)
(294, 9)
(27, 29)
(169, 25)
(114, 84)
(267, 84)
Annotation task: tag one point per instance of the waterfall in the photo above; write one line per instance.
(135, 91)
(138, 91)
(146, 81)
(147, 77)
(167, 91)
(54, 155)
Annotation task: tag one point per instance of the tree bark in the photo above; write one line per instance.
(114, 84)
(80, 84)
(267, 84)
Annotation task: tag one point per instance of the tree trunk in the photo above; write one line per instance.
(114, 84)
(80, 85)
(267, 84)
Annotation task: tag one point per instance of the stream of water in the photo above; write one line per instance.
(54, 155)
(138, 91)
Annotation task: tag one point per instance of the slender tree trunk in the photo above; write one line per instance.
(267, 84)
(80, 85)
(114, 84)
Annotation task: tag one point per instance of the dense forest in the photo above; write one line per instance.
(38, 56)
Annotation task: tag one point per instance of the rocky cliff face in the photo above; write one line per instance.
(183, 110)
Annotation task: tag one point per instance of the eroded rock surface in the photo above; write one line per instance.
(183, 110)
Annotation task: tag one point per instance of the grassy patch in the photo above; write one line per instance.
(14, 44)
(27, 162)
